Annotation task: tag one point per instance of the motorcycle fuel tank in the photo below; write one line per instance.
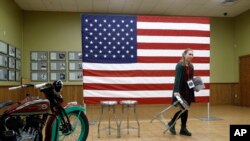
(30, 106)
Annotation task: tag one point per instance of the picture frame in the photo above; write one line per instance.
(18, 53)
(12, 62)
(12, 75)
(3, 47)
(12, 51)
(3, 60)
(39, 65)
(39, 76)
(39, 56)
(75, 76)
(75, 55)
(56, 75)
(58, 65)
(75, 65)
(58, 55)
(3, 74)
(18, 64)
(18, 75)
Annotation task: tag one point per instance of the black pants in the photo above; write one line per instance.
(183, 116)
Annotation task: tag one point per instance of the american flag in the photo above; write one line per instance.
(134, 57)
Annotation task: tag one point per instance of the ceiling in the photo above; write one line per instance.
(211, 8)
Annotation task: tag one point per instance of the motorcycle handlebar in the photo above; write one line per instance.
(38, 86)
(21, 86)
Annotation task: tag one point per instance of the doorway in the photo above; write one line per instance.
(245, 80)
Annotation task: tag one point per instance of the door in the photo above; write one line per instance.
(245, 80)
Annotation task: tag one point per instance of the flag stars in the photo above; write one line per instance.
(91, 33)
(118, 34)
(86, 20)
(91, 51)
(114, 47)
(86, 37)
(100, 25)
(95, 29)
(109, 34)
(95, 20)
(114, 56)
(86, 55)
(127, 51)
(104, 29)
(114, 38)
(123, 56)
(86, 29)
(113, 21)
(100, 51)
(118, 25)
(109, 43)
(100, 34)
(127, 25)
(96, 55)
(109, 25)
(100, 43)
(131, 30)
(113, 29)
(109, 51)
(105, 56)
(131, 38)
(132, 56)
(131, 21)
(91, 25)
(118, 51)
(104, 20)
(123, 21)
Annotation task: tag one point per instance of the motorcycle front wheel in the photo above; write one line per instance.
(80, 127)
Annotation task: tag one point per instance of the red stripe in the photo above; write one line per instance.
(179, 46)
(130, 87)
(151, 32)
(200, 20)
(152, 100)
(141, 59)
(138, 73)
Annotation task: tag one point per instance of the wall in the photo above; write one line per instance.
(11, 27)
(50, 31)
(242, 38)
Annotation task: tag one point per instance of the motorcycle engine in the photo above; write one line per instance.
(23, 129)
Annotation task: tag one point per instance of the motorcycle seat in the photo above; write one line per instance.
(5, 103)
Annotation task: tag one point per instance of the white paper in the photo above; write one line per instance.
(53, 56)
(72, 66)
(34, 56)
(34, 76)
(53, 66)
(53, 76)
(34, 66)
(72, 76)
(71, 56)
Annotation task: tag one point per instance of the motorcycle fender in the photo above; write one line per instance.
(51, 129)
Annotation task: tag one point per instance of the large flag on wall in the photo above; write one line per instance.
(134, 57)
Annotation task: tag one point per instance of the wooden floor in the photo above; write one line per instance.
(214, 129)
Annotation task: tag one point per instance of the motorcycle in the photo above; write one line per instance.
(25, 120)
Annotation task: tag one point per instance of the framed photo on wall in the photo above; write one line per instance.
(57, 55)
(3, 60)
(18, 53)
(3, 47)
(39, 65)
(12, 63)
(57, 65)
(12, 75)
(3, 74)
(39, 56)
(75, 55)
(75, 65)
(39, 76)
(75, 76)
(12, 51)
(56, 75)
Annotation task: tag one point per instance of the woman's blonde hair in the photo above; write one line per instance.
(182, 60)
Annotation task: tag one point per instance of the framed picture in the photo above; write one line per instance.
(12, 63)
(3, 74)
(57, 65)
(12, 75)
(74, 55)
(76, 65)
(3, 47)
(75, 76)
(40, 65)
(39, 76)
(12, 51)
(39, 56)
(57, 55)
(18, 76)
(18, 53)
(55, 75)
(3, 60)
(18, 64)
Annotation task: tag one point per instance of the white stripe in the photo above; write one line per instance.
(140, 66)
(174, 26)
(134, 80)
(173, 39)
(135, 94)
(172, 53)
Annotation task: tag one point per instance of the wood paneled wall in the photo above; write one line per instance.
(221, 93)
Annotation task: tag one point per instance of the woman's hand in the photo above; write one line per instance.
(177, 94)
